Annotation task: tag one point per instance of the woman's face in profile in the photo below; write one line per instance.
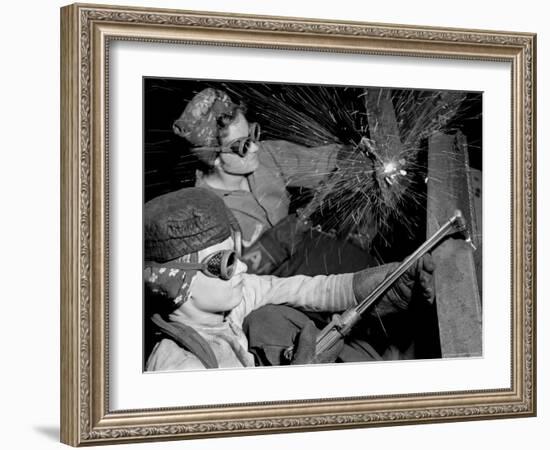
(231, 162)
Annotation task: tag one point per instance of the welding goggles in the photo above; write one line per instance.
(241, 146)
(221, 264)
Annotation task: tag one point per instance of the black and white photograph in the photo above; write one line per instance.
(296, 224)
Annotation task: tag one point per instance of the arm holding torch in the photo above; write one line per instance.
(341, 325)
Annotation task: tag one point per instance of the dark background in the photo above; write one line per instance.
(169, 166)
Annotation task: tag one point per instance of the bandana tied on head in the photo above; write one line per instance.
(198, 123)
(171, 283)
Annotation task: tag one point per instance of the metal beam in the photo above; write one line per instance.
(456, 281)
(383, 127)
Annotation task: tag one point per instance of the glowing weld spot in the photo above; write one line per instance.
(389, 168)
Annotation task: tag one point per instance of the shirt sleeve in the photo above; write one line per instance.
(332, 293)
(167, 355)
(300, 166)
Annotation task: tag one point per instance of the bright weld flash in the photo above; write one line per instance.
(391, 171)
(389, 168)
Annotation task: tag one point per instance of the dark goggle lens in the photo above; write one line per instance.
(221, 264)
(213, 265)
(242, 147)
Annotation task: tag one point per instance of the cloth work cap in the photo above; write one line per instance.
(198, 123)
(183, 222)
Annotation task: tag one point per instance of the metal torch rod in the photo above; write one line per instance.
(450, 225)
(325, 339)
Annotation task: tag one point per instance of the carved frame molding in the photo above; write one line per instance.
(86, 33)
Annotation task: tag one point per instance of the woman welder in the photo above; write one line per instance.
(251, 177)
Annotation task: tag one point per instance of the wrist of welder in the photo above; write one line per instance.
(394, 300)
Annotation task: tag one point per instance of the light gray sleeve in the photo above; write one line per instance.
(332, 293)
(300, 166)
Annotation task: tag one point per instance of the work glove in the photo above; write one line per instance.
(416, 282)
(304, 349)
(353, 161)
(281, 335)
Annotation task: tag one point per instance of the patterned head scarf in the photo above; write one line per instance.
(198, 123)
(171, 283)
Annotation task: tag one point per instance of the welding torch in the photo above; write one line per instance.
(341, 325)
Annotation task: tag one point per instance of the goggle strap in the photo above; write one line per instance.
(175, 265)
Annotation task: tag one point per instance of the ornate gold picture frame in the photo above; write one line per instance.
(87, 414)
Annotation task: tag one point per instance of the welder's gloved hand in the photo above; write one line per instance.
(281, 335)
(353, 161)
(416, 282)
(304, 349)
